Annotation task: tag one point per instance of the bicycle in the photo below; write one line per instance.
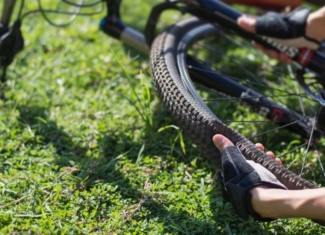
(173, 69)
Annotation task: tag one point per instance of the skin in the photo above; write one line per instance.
(315, 29)
(278, 203)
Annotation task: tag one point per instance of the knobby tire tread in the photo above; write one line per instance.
(195, 120)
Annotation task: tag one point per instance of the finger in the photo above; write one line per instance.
(260, 146)
(221, 142)
(247, 22)
(270, 154)
(278, 161)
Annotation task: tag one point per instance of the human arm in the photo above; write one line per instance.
(316, 25)
(278, 203)
(313, 27)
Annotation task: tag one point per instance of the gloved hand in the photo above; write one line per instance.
(288, 29)
(239, 176)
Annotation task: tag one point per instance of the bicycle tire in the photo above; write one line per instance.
(196, 120)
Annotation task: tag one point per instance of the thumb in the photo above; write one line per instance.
(247, 22)
(221, 142)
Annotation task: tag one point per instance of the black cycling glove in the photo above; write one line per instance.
(239, 176)
(287, 29)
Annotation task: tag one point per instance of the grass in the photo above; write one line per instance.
(86, 147)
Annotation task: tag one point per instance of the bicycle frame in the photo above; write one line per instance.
(213, 11)
(216, 13)
(8, 7)
(114, 27)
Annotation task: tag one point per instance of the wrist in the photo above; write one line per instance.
(272, 203)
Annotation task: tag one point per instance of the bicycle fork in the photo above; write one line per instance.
(114, 27)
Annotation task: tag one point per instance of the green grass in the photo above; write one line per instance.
(86, 147)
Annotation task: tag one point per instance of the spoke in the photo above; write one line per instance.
(297, 91)
(309, 141)
(319, 161)
(218, 50)
(236, 99)
(228, 121)
(235, 59)
(293, 150)
(278, 128)
(271, 81)
(262, 85)
(242, 98)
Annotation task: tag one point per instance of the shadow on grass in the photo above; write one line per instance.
(107, 170)
(51, 133)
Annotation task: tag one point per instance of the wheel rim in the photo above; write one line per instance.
(300, 155)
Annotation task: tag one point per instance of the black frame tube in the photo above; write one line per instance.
(217, 12)
(7, 9)
(113, 8)
(276, 113)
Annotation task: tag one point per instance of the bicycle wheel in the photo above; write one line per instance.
(177, 58)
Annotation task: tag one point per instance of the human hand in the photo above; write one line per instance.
(239, 176)
(296, 29)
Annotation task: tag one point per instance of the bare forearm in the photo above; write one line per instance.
(276, 203)
(316, 25)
